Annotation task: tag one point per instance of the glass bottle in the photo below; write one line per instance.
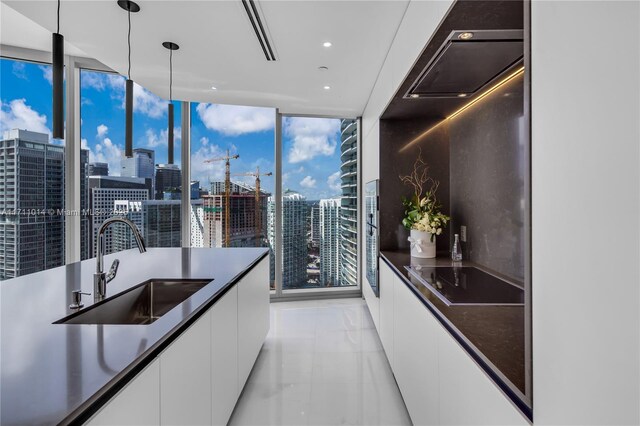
(456, 252)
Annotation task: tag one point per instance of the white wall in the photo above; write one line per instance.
(418, 24)
(585, 191)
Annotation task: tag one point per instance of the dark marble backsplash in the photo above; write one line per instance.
(478, 157)
(487, 184)
(396, 161)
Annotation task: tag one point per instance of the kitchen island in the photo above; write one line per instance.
(65, 373)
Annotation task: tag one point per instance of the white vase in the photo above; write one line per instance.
(421, 244)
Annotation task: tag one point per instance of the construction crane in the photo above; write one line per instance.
(258, 211)
(227, 192)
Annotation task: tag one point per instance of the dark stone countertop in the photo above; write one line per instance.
(493, 335)
(62, 373)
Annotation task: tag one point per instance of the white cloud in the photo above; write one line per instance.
(334, 183)
(154, 139)
(311, 137)
(18, 115)
(144, 101)
(147, 103)
(47, 73)
(204, 141)
(234, 120)
(105, 151)
(102, 131)
(308, 182)
(18, 69)
(204, 172)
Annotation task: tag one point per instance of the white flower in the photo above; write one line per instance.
(424, 202)
(439, 231)
(428, 228)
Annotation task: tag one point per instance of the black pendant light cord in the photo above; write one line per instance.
(58, 29)
(128, 43)
(170, 75)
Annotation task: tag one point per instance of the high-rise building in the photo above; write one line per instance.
(294, 238)
(217, 187)
(329, 242)
(141, 165)
(31, 193)
(104, 192)
(161, 221)
(123, 238)
(349, 204)
(197, 224)
(242, 227)
(315, 225)
(85, 219)
(168, 176)
(98, 169)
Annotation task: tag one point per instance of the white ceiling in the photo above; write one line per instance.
(218, 48)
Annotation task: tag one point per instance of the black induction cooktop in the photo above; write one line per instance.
(466, 285)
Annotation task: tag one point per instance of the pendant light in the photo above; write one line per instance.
(57, 81)
(171, 46)
(130, 7)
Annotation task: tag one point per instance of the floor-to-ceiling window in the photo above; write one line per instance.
(144, 188)
(31, 172)
(319, 203)
(231, 209)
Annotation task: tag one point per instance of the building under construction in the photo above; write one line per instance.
(242, 216)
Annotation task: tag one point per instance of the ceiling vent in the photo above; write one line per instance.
(468, 61)
(258, 28)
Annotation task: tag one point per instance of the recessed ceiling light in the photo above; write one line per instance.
(462, 95)
(327, 87)
(323, 68)
(465, 36)
(214, 88)
(414, 95)
(327, 44)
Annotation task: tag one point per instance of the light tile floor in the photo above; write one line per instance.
(322, 364)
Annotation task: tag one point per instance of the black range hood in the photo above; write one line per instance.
(467, 62)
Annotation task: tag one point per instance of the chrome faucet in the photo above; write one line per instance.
(100, 278)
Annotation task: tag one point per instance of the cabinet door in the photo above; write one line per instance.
(224, 357)
(138, 403)
(416, 356)
(185, 377)
(253, 317)
(467, 395)
(387, 281)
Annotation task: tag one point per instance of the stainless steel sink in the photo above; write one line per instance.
(142, 304)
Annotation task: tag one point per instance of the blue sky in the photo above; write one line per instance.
(311, 146)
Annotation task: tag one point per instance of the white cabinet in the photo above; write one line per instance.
(386, 286)
(138, 403)
(253, 317)
(416, 356)
(467, 394)
(185, 376)
(224, 357)
(440, 383)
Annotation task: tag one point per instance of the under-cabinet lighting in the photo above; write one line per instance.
(466, 106)
(327, 44)
(327, 87)
(465, 36)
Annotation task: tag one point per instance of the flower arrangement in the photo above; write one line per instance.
(422, 210)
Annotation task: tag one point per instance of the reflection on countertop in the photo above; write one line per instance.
(50, 373)
(495, 333)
